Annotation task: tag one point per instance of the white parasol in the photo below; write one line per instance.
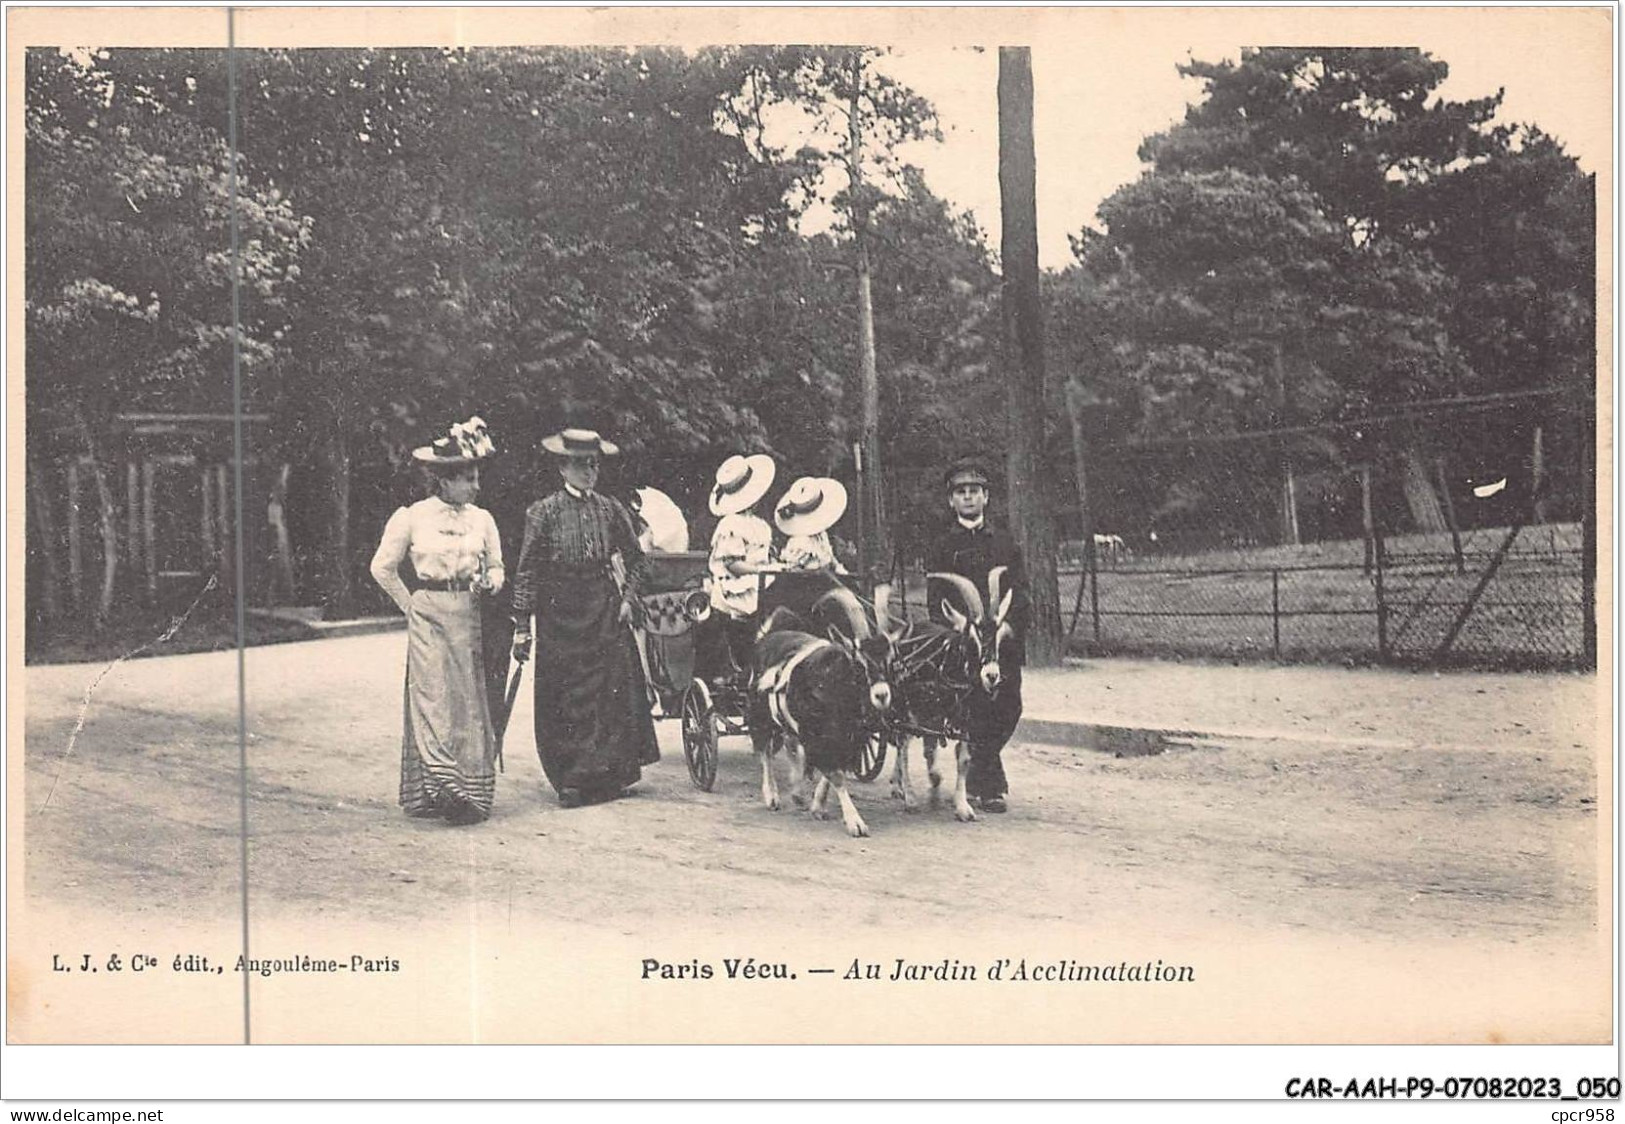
(667, 530)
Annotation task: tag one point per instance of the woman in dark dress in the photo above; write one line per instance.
(579, 574)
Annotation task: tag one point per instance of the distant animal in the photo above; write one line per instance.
(814, 694)
(940, 668)
(1110, 549)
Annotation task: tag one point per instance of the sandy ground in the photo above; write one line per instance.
(1335, 856)
(1380, 804)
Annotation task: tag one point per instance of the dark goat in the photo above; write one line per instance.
(819, 605)
(944, 666)
(813, 694)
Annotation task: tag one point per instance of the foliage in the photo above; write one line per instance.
(1323, 237)
(128, 255)
(542, 236)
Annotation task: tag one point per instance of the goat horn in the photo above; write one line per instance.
(966, 590)
(850, 609)
(995, 584)
(782, 617)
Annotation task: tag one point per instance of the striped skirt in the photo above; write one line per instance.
(448, 748)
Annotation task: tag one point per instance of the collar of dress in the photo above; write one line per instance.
(976, 526)
(576, 492)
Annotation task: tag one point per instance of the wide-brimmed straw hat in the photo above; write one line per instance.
(579, 443)
(741, 481)
(813, 504)
(465, 443)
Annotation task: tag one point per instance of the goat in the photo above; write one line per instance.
(827, 608)
(813, 694)
(948, 664)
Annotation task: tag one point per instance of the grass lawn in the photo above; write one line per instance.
(1315, 602)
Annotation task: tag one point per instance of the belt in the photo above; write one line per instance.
(446, 585)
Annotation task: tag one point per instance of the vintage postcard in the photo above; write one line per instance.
(1066, 526)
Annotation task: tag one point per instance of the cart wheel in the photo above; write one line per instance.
(874, 757)
(700, 735)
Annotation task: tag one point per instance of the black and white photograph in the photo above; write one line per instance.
(563, 526)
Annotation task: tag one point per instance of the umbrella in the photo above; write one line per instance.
(500, 721)
(667, 529)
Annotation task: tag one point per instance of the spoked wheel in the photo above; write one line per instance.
(874, 757)
(700, 735)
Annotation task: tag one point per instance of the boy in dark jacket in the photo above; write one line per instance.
(969, 547)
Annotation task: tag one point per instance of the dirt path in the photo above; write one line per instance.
(1492, 840)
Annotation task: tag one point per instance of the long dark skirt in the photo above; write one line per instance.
(593, 728)
(448, 746)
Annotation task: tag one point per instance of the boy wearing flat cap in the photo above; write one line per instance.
(971, 548)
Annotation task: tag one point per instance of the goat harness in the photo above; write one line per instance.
(775, 684)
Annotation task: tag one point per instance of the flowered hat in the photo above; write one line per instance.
(741, 481)
(579, 443)
(465, 443)
(813, 504)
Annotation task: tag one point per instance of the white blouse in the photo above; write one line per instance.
(810, 552)
(445, 543)
(739, 538)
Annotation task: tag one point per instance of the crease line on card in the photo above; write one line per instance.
(240, 586)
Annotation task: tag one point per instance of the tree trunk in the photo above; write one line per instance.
(76, 578)
(1290, 535)
(1287, 508)
(1086, 517)
(876, 547)
(108, 520)
(1367, 519)
(225, 522)
(282, 584)
(1426, 510)
(340, 594)
(1450, 514)
(1030, 520)
(1537, 479)
(39, 505)
(132, 532)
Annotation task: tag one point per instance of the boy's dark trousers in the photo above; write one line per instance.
(992, 722)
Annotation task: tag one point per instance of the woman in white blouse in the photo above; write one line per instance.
(448, 748)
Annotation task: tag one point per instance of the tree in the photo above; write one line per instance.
(1518, 231)
(577, 281)
(842, 93)
(1302, 242)
(542, 236)
(1428, 184)
(1023, 353)
(1359, 126)
(129, 263)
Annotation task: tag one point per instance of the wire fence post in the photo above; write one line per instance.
(1077, 603)
(1588, 526)
(1382, 604)
(1588, 593)
(1094, 590)
(1275, 610)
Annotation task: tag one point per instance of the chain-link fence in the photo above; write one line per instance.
(1507, 598)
